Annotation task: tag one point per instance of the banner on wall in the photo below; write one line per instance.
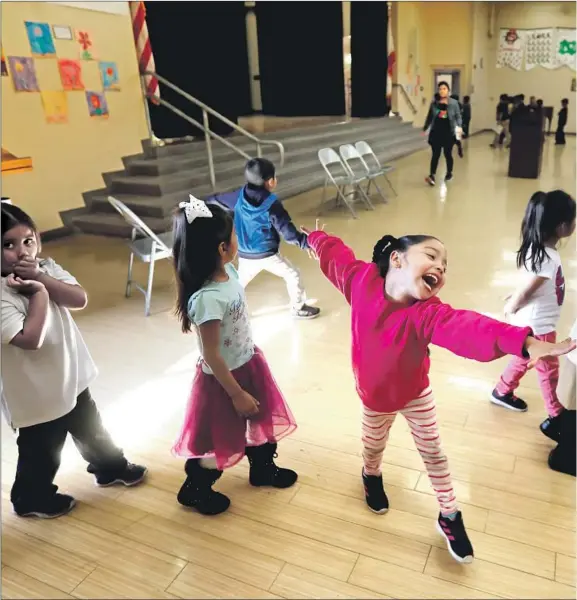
(540, 49)
(511, 48)
(565, 48)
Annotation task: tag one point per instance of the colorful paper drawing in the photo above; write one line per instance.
(97, 105)
(23, 73)
(62, 32)
(70, 74)
(40, 38)
(55, 106)
(109, 75)
(86, 50)
(4, 66)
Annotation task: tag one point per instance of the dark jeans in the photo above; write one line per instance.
(447, 150)
(466, 125)
(560, 136)
(40, 448)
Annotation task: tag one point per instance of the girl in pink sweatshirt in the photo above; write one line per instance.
(395, 315)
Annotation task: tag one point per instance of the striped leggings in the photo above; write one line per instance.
(421, 415)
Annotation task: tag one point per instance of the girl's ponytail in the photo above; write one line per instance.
(545, 213)
(382, 253)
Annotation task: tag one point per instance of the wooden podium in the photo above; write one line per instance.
(527, 145)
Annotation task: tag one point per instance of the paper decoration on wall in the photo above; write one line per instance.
(23, 74)
(86, 50)
(4, 65)
(540, 49)
(566, 47)
(70, 74)
(510, 49)
(55, 107)
(62, 32)
(109, 75)
(40, 38)
(574, 85)
(97, 105)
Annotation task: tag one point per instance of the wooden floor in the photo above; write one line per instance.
(316, 540)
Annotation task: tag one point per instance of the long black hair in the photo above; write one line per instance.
(195, 251)
(388, 244)
(545, 213)
(12, 216)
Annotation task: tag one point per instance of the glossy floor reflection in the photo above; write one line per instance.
(317, 540)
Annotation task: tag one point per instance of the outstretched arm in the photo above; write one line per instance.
(282, 222)
(474, 336)
(337, 261)
(429, 118)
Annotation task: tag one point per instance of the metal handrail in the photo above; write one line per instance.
(407, 98)
(208, 134)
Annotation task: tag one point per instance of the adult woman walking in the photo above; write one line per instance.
(443, 122)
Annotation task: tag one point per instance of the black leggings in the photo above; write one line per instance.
(447, 151)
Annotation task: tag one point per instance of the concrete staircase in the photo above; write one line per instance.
(154, 182)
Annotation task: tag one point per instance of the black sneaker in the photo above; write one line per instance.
(458, 543)
(552, 427)
(264, 471)
(306, 312)
(55, 506)
(448, 176)
(129, 476)
(430, 180)
(375, 494)
(509, 401)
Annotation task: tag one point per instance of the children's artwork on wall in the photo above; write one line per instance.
(539, 48)
(40, 38)
(97, 105)
(70, 74)
(109, 75)
(23, 73)
(55, 106)
(62, 32)
(511, 48)
(566, 48)
(4, 65)
(86, 50)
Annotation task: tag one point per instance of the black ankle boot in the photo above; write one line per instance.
(263, 470)
(553, 427)
(196, 492)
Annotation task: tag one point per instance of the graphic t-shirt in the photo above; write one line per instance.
(544, 309)
(224, 301)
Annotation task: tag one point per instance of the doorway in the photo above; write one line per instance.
(451, 76)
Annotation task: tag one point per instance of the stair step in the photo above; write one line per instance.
(113, 225)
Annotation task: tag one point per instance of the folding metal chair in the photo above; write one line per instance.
(356, 165)
(146, 245)
(374, 164)
(341, 178)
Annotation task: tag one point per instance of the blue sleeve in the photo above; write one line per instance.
(207, 305)
(281, 221)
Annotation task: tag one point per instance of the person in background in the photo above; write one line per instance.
(466, 115)
(443, 123)
(537, 302)
(519, 109)
(532, 103)
(539, 104)
(502, 118)
(560, 133)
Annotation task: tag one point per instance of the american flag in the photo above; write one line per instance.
(391, 59)
(143, 49)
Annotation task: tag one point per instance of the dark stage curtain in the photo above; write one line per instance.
(300, 48)
(200, 47)
(369, 58)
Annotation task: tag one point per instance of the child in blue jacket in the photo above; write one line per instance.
(261, 221)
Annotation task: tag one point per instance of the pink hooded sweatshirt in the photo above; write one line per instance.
(390, 342)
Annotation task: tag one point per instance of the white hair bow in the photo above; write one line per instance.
(195, 208)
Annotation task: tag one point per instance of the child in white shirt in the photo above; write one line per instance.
(549, 218)
(46, 371)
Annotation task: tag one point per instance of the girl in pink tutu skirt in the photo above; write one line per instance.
(235, 407)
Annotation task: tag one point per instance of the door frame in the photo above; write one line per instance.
(456, 72)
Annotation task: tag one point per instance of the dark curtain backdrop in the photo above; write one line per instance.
(200, 47)
(369, 58)
(300, 47)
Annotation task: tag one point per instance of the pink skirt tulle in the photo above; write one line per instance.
(213, 428)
